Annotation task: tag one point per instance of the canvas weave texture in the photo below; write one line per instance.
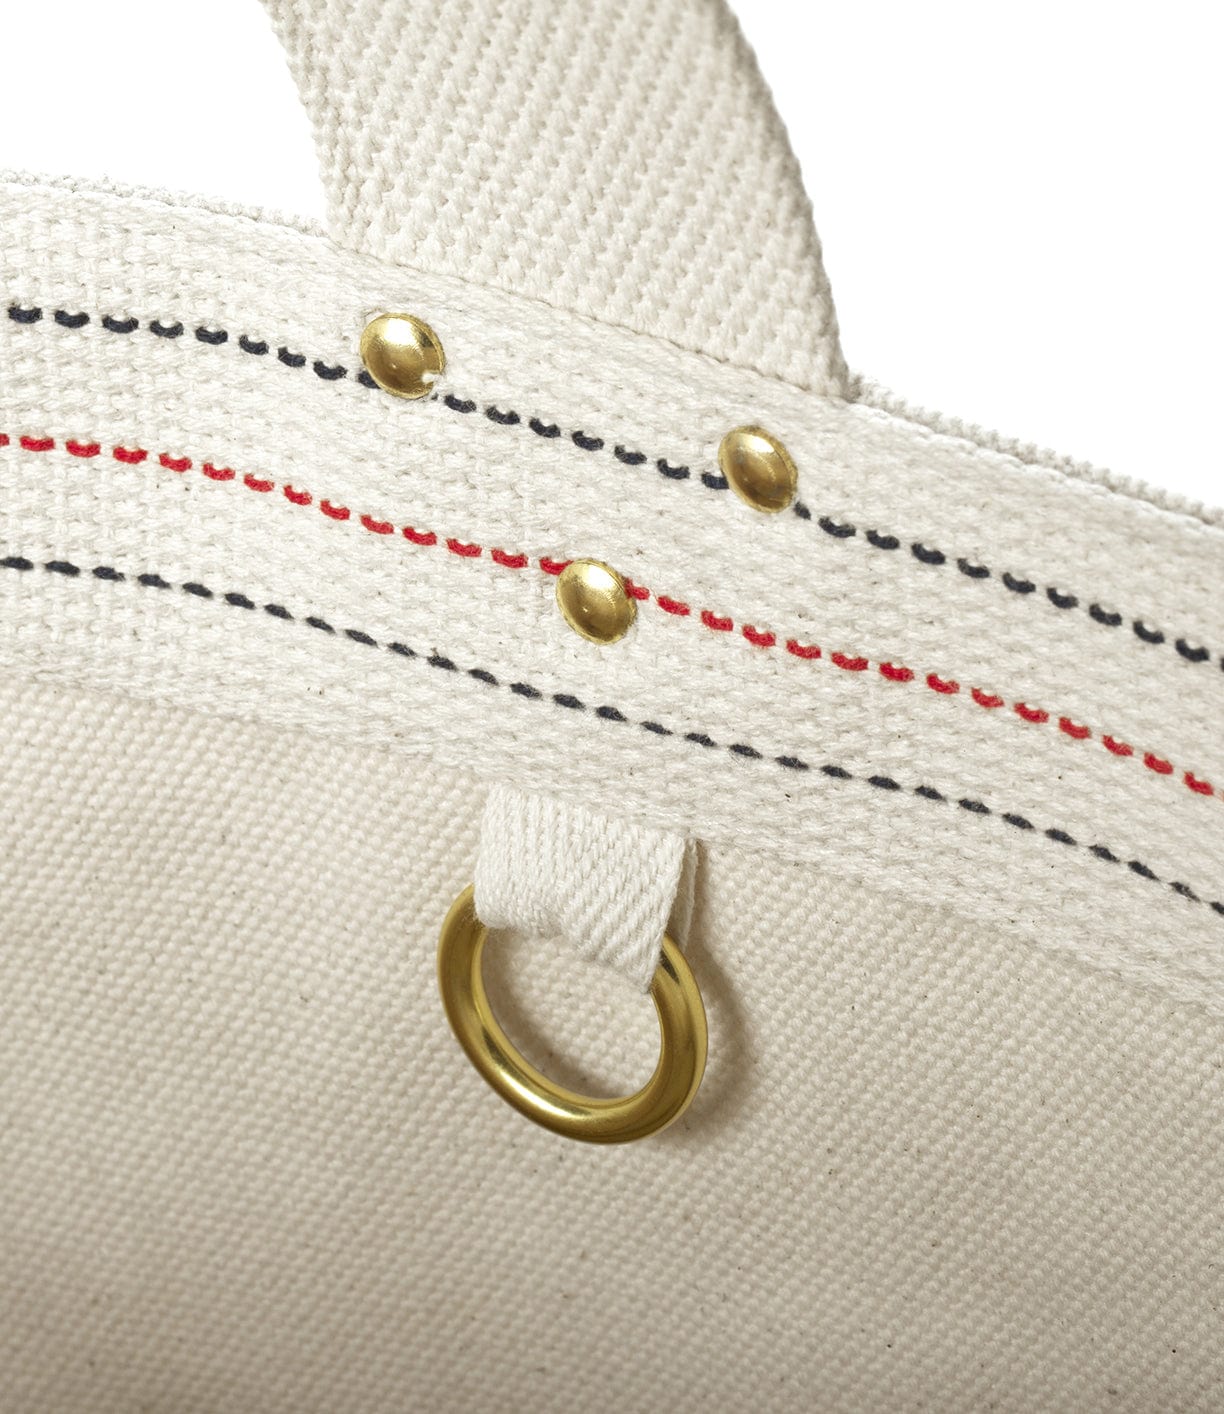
(620, 158)
(933, 761)
(246, 1166)
(946, 671)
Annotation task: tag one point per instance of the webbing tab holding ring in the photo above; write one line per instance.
(664, 1097)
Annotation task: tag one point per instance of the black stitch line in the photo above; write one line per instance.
(879, 540)
(1018, 586)
(926, 555)
(740, 749)
(458, 404)
(972, 571)
(629, 458)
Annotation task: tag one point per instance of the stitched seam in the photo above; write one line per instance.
(713, 481)
(68, 570)
(760, 638)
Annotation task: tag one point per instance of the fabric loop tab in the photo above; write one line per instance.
(610, 887)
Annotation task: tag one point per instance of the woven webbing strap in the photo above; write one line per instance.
(619, 158)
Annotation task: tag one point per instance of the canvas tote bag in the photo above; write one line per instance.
(643, 616)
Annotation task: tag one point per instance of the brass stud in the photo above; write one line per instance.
(758, 469)
(595, 601)
(402, 354)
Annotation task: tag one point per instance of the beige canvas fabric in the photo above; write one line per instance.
(246, 1167)
(946, 735)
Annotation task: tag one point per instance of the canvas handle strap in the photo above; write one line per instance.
(618, 158)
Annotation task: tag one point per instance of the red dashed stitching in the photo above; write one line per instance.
(849, 664)
(1031, 714)
(762, 638)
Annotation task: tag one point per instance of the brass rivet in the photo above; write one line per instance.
(402, 354)
(758, 468)
(594, 600)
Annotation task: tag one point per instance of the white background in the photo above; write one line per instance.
(1020, 204)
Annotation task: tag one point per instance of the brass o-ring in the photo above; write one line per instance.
(664, 1097)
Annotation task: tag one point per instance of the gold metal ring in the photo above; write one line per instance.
(665, 1096)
